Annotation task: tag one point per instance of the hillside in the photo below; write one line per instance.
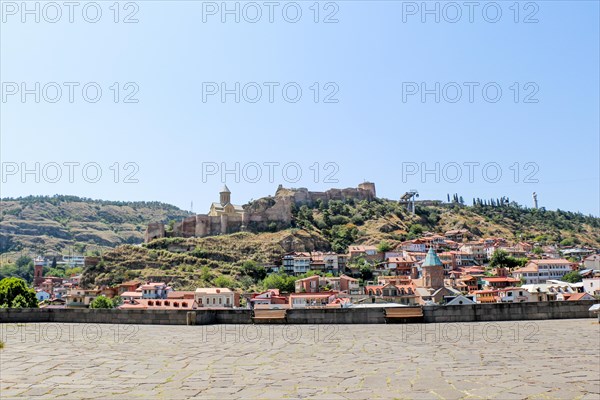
(42, 224)
(193, 262)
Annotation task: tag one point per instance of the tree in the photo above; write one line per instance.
(19, 302)
(224, 282)
(117, 301)
(567, 242)
(572, 277)
(501, 259)
(53, 265)
(205, 273)
(416, 229)
(56, 272)
(23, 268)
(280, 281)
(384, 247)
(23, 261)
(366, 272)
(253, 270)
(11, 288)
(101, 302)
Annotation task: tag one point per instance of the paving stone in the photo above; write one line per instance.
(367, 362)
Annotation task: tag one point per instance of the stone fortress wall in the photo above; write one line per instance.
(259, 215)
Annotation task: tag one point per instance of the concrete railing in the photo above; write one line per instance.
(458, 313)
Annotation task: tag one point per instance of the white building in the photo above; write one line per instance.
(591, 286)
(476, 250)
(415, 245)
(154, 290)
(592, 262)
(514, 295)
(214, 297)
(539, 271)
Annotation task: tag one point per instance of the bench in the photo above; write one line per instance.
(404, 312)
(269, 314)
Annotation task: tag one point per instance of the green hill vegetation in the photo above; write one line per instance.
(224, 260)
(52, 224)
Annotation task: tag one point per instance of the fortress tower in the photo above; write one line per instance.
(368, 187)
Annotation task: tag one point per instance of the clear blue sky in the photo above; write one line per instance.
(369, 133)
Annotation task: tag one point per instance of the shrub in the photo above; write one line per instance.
(101, 302)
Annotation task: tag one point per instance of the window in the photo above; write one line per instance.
(184, 304)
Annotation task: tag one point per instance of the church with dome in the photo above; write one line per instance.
(224, 205)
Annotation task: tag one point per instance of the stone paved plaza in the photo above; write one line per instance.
(557, 359)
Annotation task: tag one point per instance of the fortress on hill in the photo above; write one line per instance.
(267, 213)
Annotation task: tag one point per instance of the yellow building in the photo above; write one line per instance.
(224, 206)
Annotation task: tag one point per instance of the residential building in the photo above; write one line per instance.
(77, 297)
(592, 286)
(154, 290)
(181, 294)
(513, 295)
(59, 292)
(460, 300)
(458, 235)
(487, 296)
(498, 282)
(349, 285)
(427, 296)
(129, 286)
(392, 292)
(471, 282)
(368, 253)
(296, 263)
(308, 285)
(130, 296)
(592, 262)
(216, 297)
(476, 250)
(268, 297)
(434, 241)
(400, 265)
(415, 245)
(539, 271)
(579, 296)
(42, 295)
(159, 304)
(305, 300)
(456, 259)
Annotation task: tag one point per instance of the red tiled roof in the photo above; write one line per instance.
(499, 279)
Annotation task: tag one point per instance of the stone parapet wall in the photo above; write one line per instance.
(431, 314)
